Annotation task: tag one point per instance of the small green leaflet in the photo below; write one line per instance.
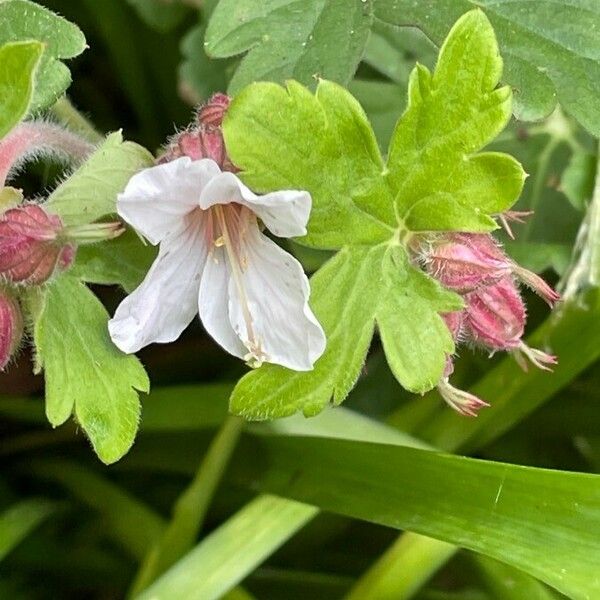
(18, 63)
(434, 179)
(552, 49)
(91, 192)
(21, 20)
(85, 373)
(124, 261)
(287, 39)
(440, 183)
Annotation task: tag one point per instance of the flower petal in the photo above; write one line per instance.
(285, 213)
(283, 328)
(156, 199)
(213, 301)
(166, 301)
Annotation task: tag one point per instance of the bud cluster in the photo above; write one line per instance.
(34, 243)
(494, 316)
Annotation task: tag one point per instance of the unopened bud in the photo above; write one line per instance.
(30, 245)
(464, 261)
(454, 322)
(495, 316)
(11, 327)
(213, 111)
(203, 139)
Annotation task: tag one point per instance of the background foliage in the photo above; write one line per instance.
(339, 505)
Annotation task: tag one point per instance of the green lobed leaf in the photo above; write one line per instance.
(18, 64)
(552, 49)
(322, 38)
(85, 373)
(323, 143)
(22, 20)
(91, 192)
(441, 183)
(415, 338)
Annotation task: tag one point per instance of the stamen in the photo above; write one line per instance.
(238, 263)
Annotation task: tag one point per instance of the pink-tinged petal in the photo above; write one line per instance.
(273, 318)
(156, 200)
(539, 358)
(464, 403)
(213, 302)
(166, 301)
(285, 213)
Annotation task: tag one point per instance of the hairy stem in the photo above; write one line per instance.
(34, 139)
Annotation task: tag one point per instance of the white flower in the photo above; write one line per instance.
(252, 296)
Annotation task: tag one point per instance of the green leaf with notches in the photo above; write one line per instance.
(322, 38)
(18, 64)
(91, 192)
(441, 182)
(86, 374)
(434, 179)
(22, 20)
(552, 49)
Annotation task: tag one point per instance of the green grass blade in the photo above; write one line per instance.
(227, 555)
(127, 519)
(546, 523)
(18, 521)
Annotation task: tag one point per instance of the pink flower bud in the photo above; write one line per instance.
(495, 316)
(203, 143)
(11, 327)
(213, 111)
(465, 261)
(204, 139)
(31, 245)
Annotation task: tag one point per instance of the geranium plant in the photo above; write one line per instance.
(226, 218)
